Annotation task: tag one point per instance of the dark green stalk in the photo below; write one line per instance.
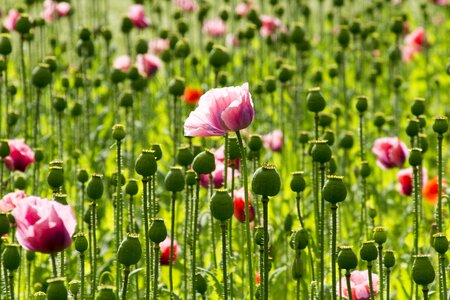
(54, 267)
(440, 173)
(224, 259)
(369, 270)
(380, 270)
(297, 289)
(145, 183)
(94, 246)
(333, 249)
(24, 85)
(126, 273)
(212, 231)
(349, 287)
(82, 275)
(175, 129)
(388, 283)
(443, 284)
(172, 237)
(425, 292)
(194, 236)
(261, 271)
(11, 283)
(60, 138)
(247, 214)
(156, 271)
(118, 207)
(81, 221)
(28, 280)
(186, 233)
(265, 201)
(322, 234)
(225, 169)
(36, 117)
(416, 210)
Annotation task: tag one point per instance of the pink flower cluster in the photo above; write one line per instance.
(54, 10)
(414, 42)
(270, 26)
(147, 64)
(20, 155)
(359, 282)
(214, 27)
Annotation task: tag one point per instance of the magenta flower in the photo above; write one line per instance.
(214, 27)
(148, 64)
(218, 176)
(359, 282)
(137, 16)
(11, 19)
(390, 152)
(122, 62)
(405, 180)
(273, 140)
(221, 110)
(164, 259)
(9, 201)
(44, 226)
(20, 155)
(415, 42)
(186, 5)
(270, 26)
(158, 46)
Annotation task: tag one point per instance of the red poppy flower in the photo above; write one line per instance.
(430, 190)
(192, 95)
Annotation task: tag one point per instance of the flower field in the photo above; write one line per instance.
(199, 149)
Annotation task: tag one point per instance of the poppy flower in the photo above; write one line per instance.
(239, 206)
(164, 259)
(137, 16)
(8, 202)
(192, 95)
(359, 282)
(20, 155)
(273, 140)
(390, 152)
(405, 180)
(430, 190)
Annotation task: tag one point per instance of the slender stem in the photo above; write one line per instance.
(380, 270)
(369, 270)
(212, 231)
(247, 214)
(54, 268)
(147, 239)
(443, 286)
(36, 117)
(322, 233)
(117, 207)
(349, 287)
(11, 283)
(194, 236)
(225, 169)
(156, 271)
(82, 274)
(297, 289)
(265, 201)
(60, 137)
(172, 237)
(416, 210)
(262, 274)
(186, 234)
(94, 246)
(333, 248)
(425, 293)
(126, 273)
(388, 283)
(224, 259)
(24, 85)
(439, 158)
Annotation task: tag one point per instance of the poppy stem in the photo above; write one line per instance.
(439, 162)
(388, 283)
(349, 286)
(224, 259)
(369, 270)
(194, 236)
(126, 273)
(117, 212)
(156, 271)
(380, 267)
(265, 201)
(54, 267)
(145, 183)
(333, 248)
(82, 274)
(172, 238)
(247, 216)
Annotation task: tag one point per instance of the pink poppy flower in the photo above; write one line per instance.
(242, 9)
(20, 155)
(270, 25)
(390, 152)
(219, 154)
(53, 10)
(9, 201)
(221, 110)
(137, 16)
(405, 180)
(408, 53)
(359, 282)
(11, 19)
(158, 46)
(164, 259)
(186, 5)
(63, 9)
(218, 176)
(122, 62)
(239, 206)
(214, 27)
(44, 226)
(417, 39)
(441, 2)
(273, 140)
(148, 64)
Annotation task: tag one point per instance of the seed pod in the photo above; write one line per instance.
(361, 104)
(329, 137)
(176, 86)
(40, 296)
(255, 142)
(130, 250)
(4, 223)
(303, 137)
(418, 107)
(365, 169)
(82, 176)
(106, 292)
(132, 187)
(440, 125)
(314, 100)
(11, 257)
(334, 190)
(380, 235)
(94, 188)
(74, 286)
(174, 181)
(81, 243)
(321, 151)
(56, 289)
(157, 151)
(146, 163)
(299, 239)
(55, 177)
(204, 163)
(23, 24)
(200, 284)
(346, 141)
(4, 148)
(61, 198)
(221, 205)
(190, 177)
(218, 56)
(347, 259)
(5, 44)
(41, 76)
(118, 132)
(422, 270)
(413, 127)
(415, 157)
(440, 243)
(368, 251)
(266, 181)
(298, 183)
(389, 259)
(157, 231)
(184, 156)
(126, 99)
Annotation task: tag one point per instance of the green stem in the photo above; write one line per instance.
(36, 117)
(416, 210)
(388, 283)
(380, 267)
(333, 248)
(156, 271)
(24, 86)
(247, 214)
(425, 293)
(94, 246)
(265, 201)
(82, 275)
(349, 287)
(194, 236)
(439, 158)
(369, 270)
(297, 289)
(60, 138)
(443, 285)
(225, 169)
(118, 206)
(126, 273)
(11, 283)
(322, 233)
(212, 231)
(147, 239)
(54, 268)
(261, 271)
(172, 237)
(224, 259)
(186, 234)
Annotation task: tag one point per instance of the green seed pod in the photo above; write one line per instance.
(40, 296)
(259, 235)
(288, 221)
(329, 137)
(38, 155)
(440, 125)
(347, 259)
(422, 270)
(4, 223)
(361, 104)
(325, 120)
(355, 27)
(298, 268)
(299, 239)
(368, 251)
(389, 259)
(270, 83)
(315, 101)
(413, 127)
(41, 76)
(298, 183)
(176, 86)
(397, 26)
(117, 76)
(5, 44)
(132, 187)
(303, 137)
(107, 34)
(157, 231)
(418, 107)
(422, 121)
(200, 284)
(182, 49)
(85, 48)
(255, 142)
(106, 292)
(440, 243)
(365, 169)
(55, 177)
(146, 163)
(23, 24)
(56, 289)
(394, 54)
(51, 62)
(126, 99)
(190, 177)
(130, 250)
(74, 286)
(218, 56)
(344, 37)
(415, 157)
(82, 176)
(81, 243)
(379, 120)
(30, 256)
(347, 141)
(321, 151)
(285, 73)
(266, 181)
(379, 235)
(174, 181)
(60, 198)
(59, 103)
(334, 190)
(4, 148)
(197, 149)
(11, 257)
(141, 46)
(221, 205)
(20, 182)
(94, 188)
(156, 148)
(118, 132)
(76, 110)
(423, 142)
(204, 163)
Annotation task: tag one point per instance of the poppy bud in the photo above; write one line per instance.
(440, 125)
(315, 101)
(346, 141)
(130, 250)
(82, 176)
(379, 120)
(4, 148)
(157, 151)
(298, 268)
(255, 142)
(182, 49)
(285, 73)
(303, 137)
(259, 236)
(56, 289)
(5, 44)
(141, 46)
(218, 56)
(329, 137)
(361, 104)
(106, 292)
(347, 259)
(221, 205)
(344, 37)
(146, 163)
(81, 243)
(94, 188)
(4, 224)
(176, 86)
(204, 162)
(422, 270)
(41, 76)
(234, 151)
(126, 99)
(440, 243)
(174, 181)
(190, 177)
(11, 257)
(157, 231)
(418, 107)
(23, 24)
(380, 235)
(368, 251)
(413, 127)
(298, 183)
(334, 190)
(299, 239)
(266, 181)
(325, 120)
(59, 103)
(332, 166)
(397, 26)
(389, 259)
(415, 157)
(321, 151)
(118, 132)
(117, 76)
